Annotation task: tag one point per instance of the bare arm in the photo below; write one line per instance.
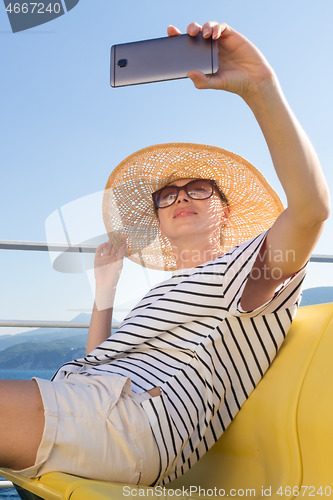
(294, 234)
(243, 70)
(108, 266)
(100, 327)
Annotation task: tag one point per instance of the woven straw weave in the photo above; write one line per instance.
(128, 207)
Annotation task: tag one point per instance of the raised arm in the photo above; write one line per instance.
(108, 266)
(243, 70)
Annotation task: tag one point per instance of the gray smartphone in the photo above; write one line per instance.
(161, 59)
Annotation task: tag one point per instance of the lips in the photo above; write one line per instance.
(182, 212)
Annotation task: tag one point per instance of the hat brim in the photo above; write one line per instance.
(128, 210)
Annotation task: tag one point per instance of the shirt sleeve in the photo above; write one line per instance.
(239, 266)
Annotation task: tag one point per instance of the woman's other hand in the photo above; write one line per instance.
(108, 266)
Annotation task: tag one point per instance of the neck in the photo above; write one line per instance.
(193, 256)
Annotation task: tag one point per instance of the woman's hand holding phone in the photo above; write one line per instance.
(242, 70)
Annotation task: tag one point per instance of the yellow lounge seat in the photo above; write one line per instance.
(280, 445)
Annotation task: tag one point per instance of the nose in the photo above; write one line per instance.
(182, 196)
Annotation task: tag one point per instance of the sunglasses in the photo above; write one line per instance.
(198, 189)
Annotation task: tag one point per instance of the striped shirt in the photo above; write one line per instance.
(190, 337)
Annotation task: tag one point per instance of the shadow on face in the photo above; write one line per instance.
(185, 213)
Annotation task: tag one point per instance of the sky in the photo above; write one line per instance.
(64, 129)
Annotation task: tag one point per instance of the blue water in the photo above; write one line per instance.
(10, 494)
(25, 374)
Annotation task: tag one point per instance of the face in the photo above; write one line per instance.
(193, 220)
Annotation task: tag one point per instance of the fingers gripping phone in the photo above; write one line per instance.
(161, 59)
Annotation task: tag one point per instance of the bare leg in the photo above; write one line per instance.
(21, 423)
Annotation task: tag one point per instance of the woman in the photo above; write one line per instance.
(148, 402)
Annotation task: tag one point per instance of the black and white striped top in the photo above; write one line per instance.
(190, 337)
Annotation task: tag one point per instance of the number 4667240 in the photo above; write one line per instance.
(33, 8)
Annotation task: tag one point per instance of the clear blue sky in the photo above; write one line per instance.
(63, 128)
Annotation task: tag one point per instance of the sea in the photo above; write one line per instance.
(11, 494)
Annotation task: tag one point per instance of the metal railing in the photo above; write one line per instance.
(47, 324)
(46, 247)
(60, 247)
(40, 246)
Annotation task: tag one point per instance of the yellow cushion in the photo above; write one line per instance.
(315, 414)
(281, 439)
(279, 436)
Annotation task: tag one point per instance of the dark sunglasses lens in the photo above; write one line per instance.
(200, 189)
(166, 197)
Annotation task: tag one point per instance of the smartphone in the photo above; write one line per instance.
(161, 59)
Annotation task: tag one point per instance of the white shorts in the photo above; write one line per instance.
(95, 428)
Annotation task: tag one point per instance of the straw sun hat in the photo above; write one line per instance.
(128, 210)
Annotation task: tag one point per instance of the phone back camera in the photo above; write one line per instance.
(122, 63)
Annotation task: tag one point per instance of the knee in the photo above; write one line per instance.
(21, 423)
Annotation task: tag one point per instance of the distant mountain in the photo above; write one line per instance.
(43, 335)
(82, 318)
(43, 355)
(44, 348)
